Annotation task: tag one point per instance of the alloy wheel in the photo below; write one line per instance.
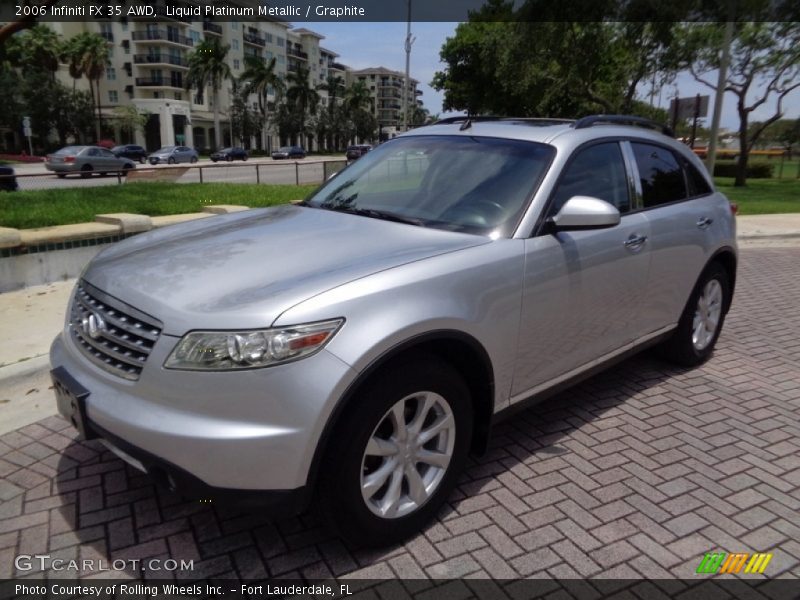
(408, 455)
(707, 315)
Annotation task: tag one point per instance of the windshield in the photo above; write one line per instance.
(227, 150)
(166, 149)
(468, 184)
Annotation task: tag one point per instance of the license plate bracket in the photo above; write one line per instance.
(71, 400)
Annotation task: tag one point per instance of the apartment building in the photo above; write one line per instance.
(387, 88)
(149, 61)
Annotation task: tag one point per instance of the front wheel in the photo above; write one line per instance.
(193, 160)
(396, 455)
(693, 341)
(142, 160)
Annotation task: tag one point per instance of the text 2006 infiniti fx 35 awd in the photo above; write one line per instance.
(358, 346)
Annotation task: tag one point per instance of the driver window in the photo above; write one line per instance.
(597, 171)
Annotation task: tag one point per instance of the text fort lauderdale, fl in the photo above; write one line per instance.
(263, 11)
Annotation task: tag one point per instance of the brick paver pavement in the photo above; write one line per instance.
(635, 473)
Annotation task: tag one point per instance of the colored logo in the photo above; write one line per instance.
(722, 562)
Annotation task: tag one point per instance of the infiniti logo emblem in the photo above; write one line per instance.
(93, 325)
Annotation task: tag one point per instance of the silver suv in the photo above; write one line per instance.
(358, 346)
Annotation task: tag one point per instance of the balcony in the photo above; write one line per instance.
(159, 34)
(296, 53)
(164, 59)
(172, 82)
(337, 66)
(418, 92)
(212, 28)
(251, 38)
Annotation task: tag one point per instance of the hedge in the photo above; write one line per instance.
(754, 170)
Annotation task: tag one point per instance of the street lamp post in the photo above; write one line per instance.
(407, 82)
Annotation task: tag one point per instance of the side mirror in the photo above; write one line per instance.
(585, 212)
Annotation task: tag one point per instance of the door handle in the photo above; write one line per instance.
(704, 222)
(635, 242)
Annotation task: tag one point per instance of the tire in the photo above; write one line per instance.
(347, 499)
(142, 160)
(127, 168)
(170, 161)
(86, 171)
(193, 160)
(61, 175)
(213, 160)
(244, 157)
(693, 341)
(229, 158)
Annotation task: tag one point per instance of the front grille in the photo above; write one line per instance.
(114, 336)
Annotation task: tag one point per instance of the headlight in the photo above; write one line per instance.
(228, 350)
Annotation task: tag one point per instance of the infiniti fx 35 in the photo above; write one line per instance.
(357, 346)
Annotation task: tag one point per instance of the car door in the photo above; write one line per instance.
(679, 204)
(582, 290)
(108, 160)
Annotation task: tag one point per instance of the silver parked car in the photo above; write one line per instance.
(447, 277)
(85, 160)
(173, 154)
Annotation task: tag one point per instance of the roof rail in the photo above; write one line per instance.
(623, 120)
(467, 120)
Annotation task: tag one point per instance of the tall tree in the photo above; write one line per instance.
(87, 55)
(39, 48)
(301, 98)
(764, 67)
(259, 78)
(208, 67)
(334, 85)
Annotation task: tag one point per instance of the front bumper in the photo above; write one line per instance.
(213, 434)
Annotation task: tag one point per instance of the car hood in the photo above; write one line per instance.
(243, 270)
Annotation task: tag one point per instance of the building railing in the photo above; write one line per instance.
(160, 34)
(161, 58)
(212, 27)
(250, 38)
(175, 82)
(296, 52)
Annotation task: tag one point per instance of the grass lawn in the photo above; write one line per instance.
(40, 208)
(763, 196)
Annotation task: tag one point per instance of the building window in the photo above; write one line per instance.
(235, 44)
(113, 97)
(197, 99)
(178, 96)
(111, 74)
(158, 94)
(236, 64)
(281, 59)
(235, 25)
(124, 26)
(127, 49)
(195, 35)
(268, 37)
(279, 41)
(269, 55)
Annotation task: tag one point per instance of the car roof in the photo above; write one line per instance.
(563, 133)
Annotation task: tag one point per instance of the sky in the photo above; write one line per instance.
(364, 45)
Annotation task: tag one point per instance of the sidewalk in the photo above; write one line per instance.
(32, 317)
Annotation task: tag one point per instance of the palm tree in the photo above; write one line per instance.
(357, 104)
(208, 67)
(87, 56)
(357, 97)
(301, 97)
(333, 85)
(259, 78)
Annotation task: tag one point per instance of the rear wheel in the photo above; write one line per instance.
(229, 158)
(170, 161)
(61, 175)
(693, 341)
(392, 465)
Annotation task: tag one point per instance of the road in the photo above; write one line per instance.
(260, 170)
(632, 475)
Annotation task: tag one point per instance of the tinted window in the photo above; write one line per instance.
(661, 176)
(698, 185)
(597, 171)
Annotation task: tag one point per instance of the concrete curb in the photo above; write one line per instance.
(24, 368)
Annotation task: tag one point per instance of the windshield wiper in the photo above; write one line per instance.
(384, 215)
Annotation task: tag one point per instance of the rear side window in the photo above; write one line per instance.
(698, 185)
(597, 171)
(660, 174)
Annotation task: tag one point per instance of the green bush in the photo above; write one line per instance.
(754, 170)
